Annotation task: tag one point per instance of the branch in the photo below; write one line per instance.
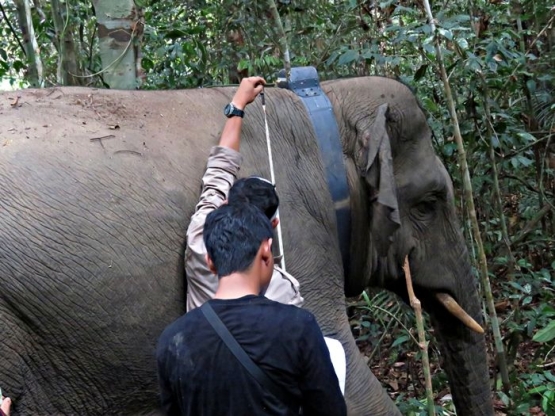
(12, 30)
(524, 183)
(531, 225)
(490, 133)
(417, 306)
(93, 37)
(529, 145)
(282, 38)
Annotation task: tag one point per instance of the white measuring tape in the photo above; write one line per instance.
(273, 179)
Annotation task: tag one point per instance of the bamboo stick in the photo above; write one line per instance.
(422, 343)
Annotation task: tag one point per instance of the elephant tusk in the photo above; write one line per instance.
(455, 309)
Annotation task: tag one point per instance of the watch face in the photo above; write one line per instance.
(230, 110)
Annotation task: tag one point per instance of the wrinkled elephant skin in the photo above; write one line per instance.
(97, 190)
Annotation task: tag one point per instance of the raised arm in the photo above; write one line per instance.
(222, 168)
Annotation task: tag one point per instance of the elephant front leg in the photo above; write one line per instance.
(364, 394)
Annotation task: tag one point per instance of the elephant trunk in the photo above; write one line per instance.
(465, 365)
(464, 350)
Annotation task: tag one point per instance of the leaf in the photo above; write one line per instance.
(348, 57)
(447, 34)
(427, 29)
(243, 64)
(531, 85)
(463, 43)
(332, 58)
(526, 136)
(549, 375)
(429, 48)
(18, 65)
(546, 334)
(524, 161)
(537, 390)
(175, 34)
(406, 10)
(400, 340)
(421, 72)
(384, 4)
(517, 286)
(504, 398)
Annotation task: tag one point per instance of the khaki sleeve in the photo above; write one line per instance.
(221, 172)
(284, 288)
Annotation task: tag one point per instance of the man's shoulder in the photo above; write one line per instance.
(299, 315)
(181, 325)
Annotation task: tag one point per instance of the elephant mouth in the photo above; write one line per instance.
(458, 312)
(447, 301)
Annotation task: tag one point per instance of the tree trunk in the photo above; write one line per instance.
(282, 38)
(34, 70)
(119, 33)
(68, 68)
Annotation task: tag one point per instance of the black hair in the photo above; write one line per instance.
(257, 191)
(233, 235)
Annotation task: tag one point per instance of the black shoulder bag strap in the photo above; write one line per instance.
(239, 353)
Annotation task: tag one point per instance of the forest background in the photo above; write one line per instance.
(499, 57)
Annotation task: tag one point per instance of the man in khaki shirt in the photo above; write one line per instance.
(223, 166)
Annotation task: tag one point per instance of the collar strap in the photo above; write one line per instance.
(304, 82)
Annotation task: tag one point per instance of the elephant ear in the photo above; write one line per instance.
(378, 173)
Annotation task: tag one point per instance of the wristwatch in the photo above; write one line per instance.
(231, 111)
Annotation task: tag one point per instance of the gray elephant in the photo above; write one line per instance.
(97, 190)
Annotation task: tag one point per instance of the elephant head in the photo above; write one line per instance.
(402, 195)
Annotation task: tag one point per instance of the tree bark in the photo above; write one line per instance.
(119, 34)
(34, 70)
(68, 68)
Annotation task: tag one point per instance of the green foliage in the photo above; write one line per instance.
(78, 19)
(546, 334)
(411, 406)
(533, 391)
(11, 64)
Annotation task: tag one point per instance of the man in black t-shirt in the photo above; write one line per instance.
(199, 375)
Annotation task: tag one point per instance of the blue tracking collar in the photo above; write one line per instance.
(304, 82)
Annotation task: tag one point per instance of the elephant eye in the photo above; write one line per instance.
(425, 208)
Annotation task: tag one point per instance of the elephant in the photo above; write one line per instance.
(98, 187)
